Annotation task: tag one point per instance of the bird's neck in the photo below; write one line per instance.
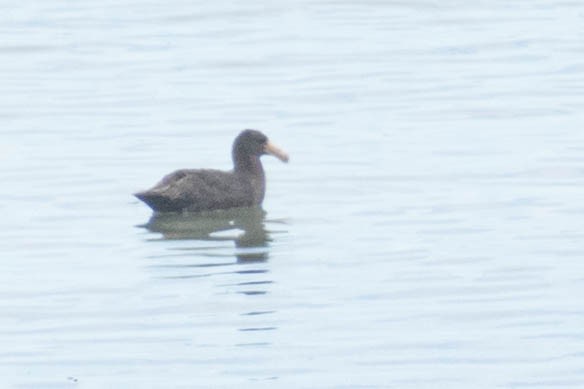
(248, 165)
(251, 170)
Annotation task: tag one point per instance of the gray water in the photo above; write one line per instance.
(427, 233)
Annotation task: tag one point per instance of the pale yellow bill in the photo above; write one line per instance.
(272, 149)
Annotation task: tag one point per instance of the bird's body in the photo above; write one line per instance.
(196, 190)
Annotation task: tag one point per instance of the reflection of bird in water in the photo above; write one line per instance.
(196, 190)
(244, 226)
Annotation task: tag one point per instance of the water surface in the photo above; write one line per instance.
(427, 232)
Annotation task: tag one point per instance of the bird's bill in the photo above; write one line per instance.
(272, 149)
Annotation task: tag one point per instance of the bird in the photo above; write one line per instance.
(199, 190)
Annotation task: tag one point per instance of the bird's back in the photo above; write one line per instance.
(196, 190)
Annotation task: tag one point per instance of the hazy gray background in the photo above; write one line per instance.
(426, 234)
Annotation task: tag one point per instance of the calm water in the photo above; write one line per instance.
(428, 232)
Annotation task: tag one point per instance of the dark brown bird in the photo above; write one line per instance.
(196, 190)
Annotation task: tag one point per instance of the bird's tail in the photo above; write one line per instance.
(156, 201)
